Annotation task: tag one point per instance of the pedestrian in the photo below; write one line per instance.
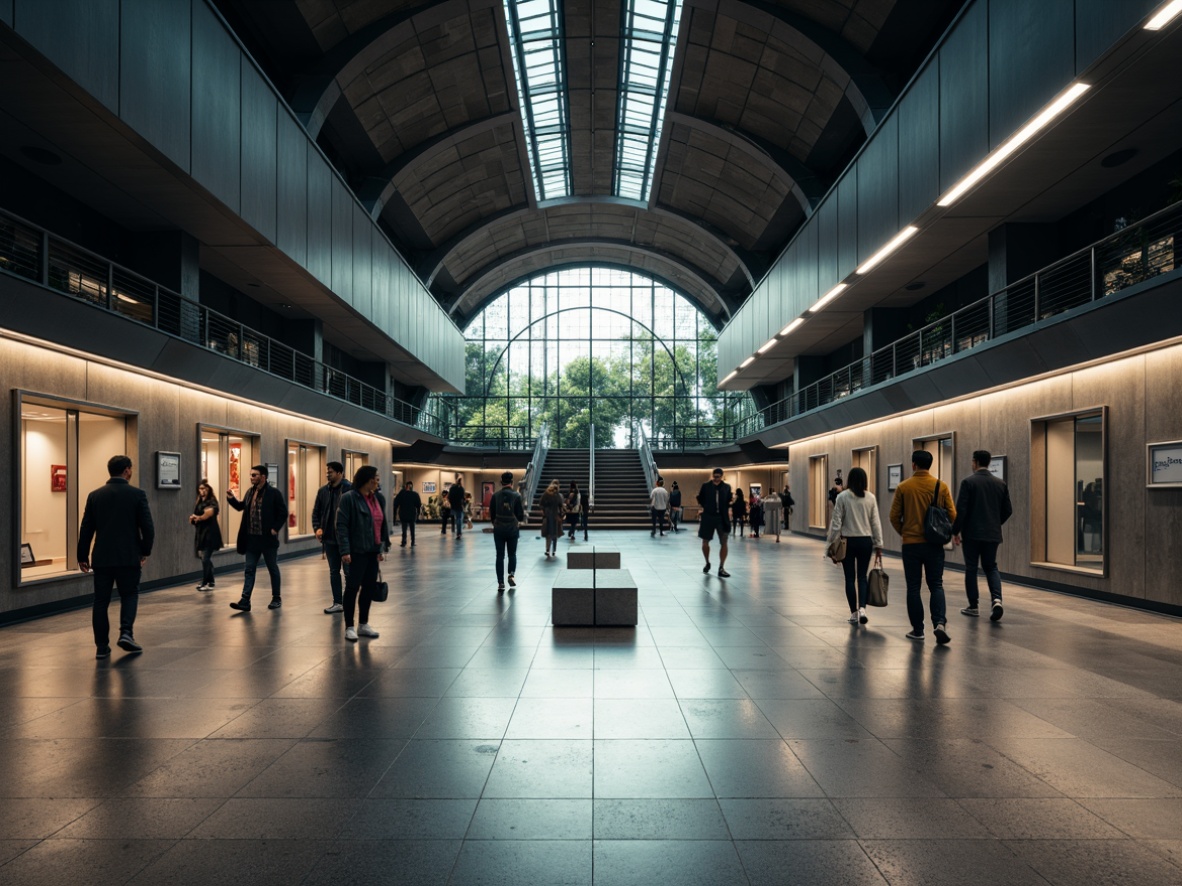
(584, 511)
(658, 503)
(982, 508)
(834, 491)
(738, 513)
(573, 506)
(922, 558)
(675, 511)
(467, 510)
(508, 513)
(715, 500)
(773, 513)
(455, 501)
(324, 523)
(756, 514)
(364, 536)
(407, 505)
(258, 534)
(552, 504)
(787, 502)
(856, 519)
(444, 513)
(207, 534)
(119, 522)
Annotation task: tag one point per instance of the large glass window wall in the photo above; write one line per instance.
(597, 346)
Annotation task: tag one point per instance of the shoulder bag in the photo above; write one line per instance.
(836, 549)
(879, 583)
(937, 527)
(380, 591)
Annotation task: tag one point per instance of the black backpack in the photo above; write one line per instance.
(504, 516)
(937, 527)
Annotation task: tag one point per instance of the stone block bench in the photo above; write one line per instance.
(594, 557)
(572, 600)
(600, 597)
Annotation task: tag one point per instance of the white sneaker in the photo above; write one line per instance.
(366, 631)
(862, 619)
(853, 619)
(351, 634)
(335, 607)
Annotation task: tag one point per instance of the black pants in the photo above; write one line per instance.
(985, 553)
(359, 581)
(504, 543)
(106, 579)
(271, 558)
(207, 567)
(408, 524)
(858, 550)
(658, 520)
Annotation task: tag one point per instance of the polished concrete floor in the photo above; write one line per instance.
(743, 733)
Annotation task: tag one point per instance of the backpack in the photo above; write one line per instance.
(503, 510)
(937, 527)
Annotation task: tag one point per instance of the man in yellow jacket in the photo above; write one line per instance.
(921, 557)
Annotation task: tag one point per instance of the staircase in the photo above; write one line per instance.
(621, 496)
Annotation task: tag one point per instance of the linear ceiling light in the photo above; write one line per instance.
(768, 345)
(646, 52)
(898, 240)
(1015, 141)
(747, 362)
(539, 63)
(733, 373)
(828, 297)
(795, 323)
(1163, 18)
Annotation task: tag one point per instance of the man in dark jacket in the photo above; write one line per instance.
(982, 506)
(455, 498)
(118, 520)
(507, 514)
(258, 533)
(407, 505)
(715, 499)
(324, 523)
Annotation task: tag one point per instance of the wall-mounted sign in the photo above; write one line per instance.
(168, 470)
(894, 476)
(1164, 465)
(997, 467)
(274, 477)
(57, 478)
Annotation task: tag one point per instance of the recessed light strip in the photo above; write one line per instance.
(898, 240)
(791, 326)
(747, 362)
(1015, 141)
(1167, 14)
(828, 297)
(767, 346)
(734, 372)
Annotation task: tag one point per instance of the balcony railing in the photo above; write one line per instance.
(34, 254)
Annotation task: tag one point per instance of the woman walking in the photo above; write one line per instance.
(552, 504)
(573, 508)
(738, 512)
(756, 511)
(207, 533)
(855, 517)
(363, 535)
(773, 509)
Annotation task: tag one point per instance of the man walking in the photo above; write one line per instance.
(658, 503)
(407, 505)
(674, 507)
(922, 558)
(258, 534)
(324, 522)
(117, 519)
(507, 513)
(982, 508)
(455, 498)
(715, 499)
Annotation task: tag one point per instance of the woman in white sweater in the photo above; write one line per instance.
(855, 517)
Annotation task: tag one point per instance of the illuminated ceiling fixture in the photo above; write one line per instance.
(898, 240)
(767, 346)
(793, 325)
(747, 362)
(539, 63)
(1015, 141)
(828, 297)
(734, 372)
(1163, 18)
(646, 52)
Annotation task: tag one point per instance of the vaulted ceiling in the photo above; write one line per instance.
(417, 106)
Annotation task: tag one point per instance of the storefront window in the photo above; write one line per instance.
(819, 492)
(226, 457)
(1071, 451)
(867, 460)
(305, 475)
(353, 461)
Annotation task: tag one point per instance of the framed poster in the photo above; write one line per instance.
(57, 478)
(27, 558)
(428, 487)
(894, 477)
(273, 475)
(487, 488)
(997, 467)
(1163, 465)
(168, 470)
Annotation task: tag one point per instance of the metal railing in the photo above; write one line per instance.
(1125, 258)
(34, 254)
(591, 470)
(533, 471)
(502, 437)
(646, 456)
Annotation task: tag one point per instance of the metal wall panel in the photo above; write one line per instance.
(379, 311)
(878, 188)
(342, 240)
(1100, 23)
(154, 74)
(919, 145)
(828, 271)
(292, 195)
(847, 222)
(259, 152)
(806, 275)
(216, 108)
(6, 12)
(964, 96)
(364, 236)
(320, 179)
(83, 49)
(1031, 60)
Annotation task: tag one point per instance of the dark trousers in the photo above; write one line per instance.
(457, 516)
(922, 561)
(674, 517)
(360, 579)
(271, 558)
(572, 520)
(106, 579)
(408, 524)
(858, 551)
(986, 553)
(658, 520)
(332, 553)
(207, 567)
(445, 519)
(505, 543)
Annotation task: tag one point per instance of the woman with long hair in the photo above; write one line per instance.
(573, 507)
(738, 512)
(552, 504)
(363, 535)
(207, 536)
(855, 517)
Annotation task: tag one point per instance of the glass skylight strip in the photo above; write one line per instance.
(539, 66)
(649, 32)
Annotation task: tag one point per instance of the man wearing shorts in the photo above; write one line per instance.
(715, 499)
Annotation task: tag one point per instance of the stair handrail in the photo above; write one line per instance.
(591, 472)
(646, 458)
(533, 471)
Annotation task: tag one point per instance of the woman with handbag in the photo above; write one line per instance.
(208, 534)
(552, 504)
(856, 519)
(363, 535)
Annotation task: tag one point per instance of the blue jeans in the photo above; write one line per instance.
(921, 561)
(986, 553)
(271, 558)
(858, 551)
(505, 543)
(332, 553)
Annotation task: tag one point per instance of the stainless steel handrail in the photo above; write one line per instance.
(591, 471)
(533, 471)
(646, 457)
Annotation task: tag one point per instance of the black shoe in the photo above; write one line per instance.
(242, 605)
(103, 652)
(722, 573)
(275, 603)
(706, 568)
(942, 635)
(500, 589)
(996, 614)
(653, 533)
(512, 581)
(403, 544)
(128, 644)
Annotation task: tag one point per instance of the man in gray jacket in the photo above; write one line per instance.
(982, 506)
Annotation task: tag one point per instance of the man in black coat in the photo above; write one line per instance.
(982, 506)
(715, 499)
(264, 514)
(324, 524)
(407, 505)
(118, 520)
(455, 498)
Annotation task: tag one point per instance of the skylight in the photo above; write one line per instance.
(650, 30)
(535, 32)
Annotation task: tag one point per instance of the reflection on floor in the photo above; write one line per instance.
(743, 733)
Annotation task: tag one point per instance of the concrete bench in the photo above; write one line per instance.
(594, 557)
(615, 597)
(572, 599)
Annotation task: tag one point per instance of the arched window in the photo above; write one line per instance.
(598, 346)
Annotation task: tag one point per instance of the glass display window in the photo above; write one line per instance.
(352, 461)
(867, 460)
(819, 492)
(1069, 458)
(305, 476)
(226, 459)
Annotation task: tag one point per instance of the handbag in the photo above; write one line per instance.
(835, 551)
(937, 527)
(380, 590)
(879, 583)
